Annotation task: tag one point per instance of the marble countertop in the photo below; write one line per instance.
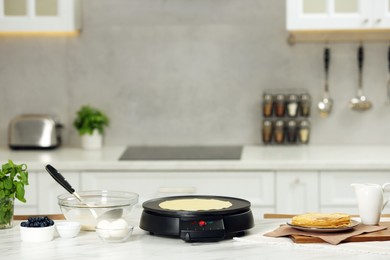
(141, 245)
(253, 158)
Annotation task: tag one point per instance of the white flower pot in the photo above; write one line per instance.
(94, 141)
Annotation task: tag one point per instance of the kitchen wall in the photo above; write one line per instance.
(183, 72)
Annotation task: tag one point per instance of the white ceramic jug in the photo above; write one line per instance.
(370, 201)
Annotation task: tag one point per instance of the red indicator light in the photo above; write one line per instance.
(202, 223)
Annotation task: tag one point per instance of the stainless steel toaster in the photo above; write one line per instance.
(34, 131)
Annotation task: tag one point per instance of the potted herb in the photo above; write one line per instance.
(90, 122)
(13, 178)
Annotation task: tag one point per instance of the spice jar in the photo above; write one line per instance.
(292, 131)
(304, 131)
(267, 131)
(292, 105)
(305, 105)
(267, 105)
(280, 104)
(279, 132)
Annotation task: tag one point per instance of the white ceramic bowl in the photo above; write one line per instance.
(68, 229)
(114, 230)
(97, 204)
(37, 234)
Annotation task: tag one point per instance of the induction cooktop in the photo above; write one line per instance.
(182, 153)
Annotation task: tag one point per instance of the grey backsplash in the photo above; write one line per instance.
(180, 72)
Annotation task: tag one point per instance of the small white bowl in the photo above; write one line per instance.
(68, 229)
(37, 234)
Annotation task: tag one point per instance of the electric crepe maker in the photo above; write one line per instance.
(197, 225)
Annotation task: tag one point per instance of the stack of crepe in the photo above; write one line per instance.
(322, 220)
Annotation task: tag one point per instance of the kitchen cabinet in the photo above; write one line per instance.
(337, 195)
(297, 191)
(327, 21)
(337, 15)
(40, 15)
(257, 187)
(31, 195)
(284, 191)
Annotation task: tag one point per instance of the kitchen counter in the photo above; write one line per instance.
(253, 158)
(141, 245)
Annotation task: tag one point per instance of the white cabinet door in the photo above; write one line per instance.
(338, 195)
(257, 187)
(31, 195)
(297, 192)
(49, 189)
(337, 14)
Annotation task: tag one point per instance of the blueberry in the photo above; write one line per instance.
(38, 222)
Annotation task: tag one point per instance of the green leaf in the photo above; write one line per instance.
(20, 192)
(8, 183)
(24, 177)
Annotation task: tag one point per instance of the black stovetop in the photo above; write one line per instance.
(182, 153)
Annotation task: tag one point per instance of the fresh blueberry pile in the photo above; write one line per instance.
(37, 222)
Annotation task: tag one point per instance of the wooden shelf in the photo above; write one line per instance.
(338, 36)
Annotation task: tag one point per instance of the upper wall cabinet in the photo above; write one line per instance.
(338, 14)
(40, 15)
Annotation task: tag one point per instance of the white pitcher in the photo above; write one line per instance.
(370, 201)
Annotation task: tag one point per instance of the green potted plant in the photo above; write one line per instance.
(13, 178)
(90, 122)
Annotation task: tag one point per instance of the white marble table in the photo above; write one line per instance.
(141, 245)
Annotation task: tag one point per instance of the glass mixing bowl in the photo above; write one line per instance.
(96, 206)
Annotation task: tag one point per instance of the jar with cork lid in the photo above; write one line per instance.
(304, 131)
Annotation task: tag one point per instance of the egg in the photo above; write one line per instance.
(118, 228)
(103, 228)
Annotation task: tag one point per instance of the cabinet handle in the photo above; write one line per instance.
(365, 21)
(178, 190)
(379, 20)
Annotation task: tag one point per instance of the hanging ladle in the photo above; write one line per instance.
(360, 102)
(325, 105)
(111, 214)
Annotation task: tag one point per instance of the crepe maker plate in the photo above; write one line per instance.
(197, 226)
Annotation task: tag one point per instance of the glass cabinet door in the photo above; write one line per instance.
(314, 6)
(346, 6)
(15, 7)
(46, 8)
(30, 7)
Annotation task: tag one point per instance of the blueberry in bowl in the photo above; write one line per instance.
(37, 222)
(37, 229)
